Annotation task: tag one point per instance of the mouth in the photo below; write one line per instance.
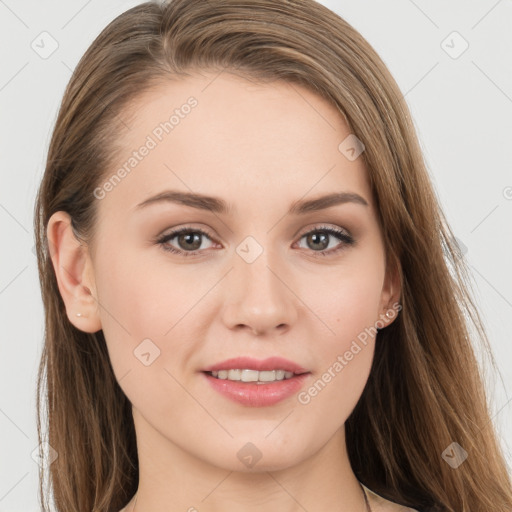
(256, 383)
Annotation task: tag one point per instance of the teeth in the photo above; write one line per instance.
(247, 375)
(252, 375)
(235, 374)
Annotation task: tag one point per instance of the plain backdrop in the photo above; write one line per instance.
(452, 61)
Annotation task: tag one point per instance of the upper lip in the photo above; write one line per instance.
(249, 363)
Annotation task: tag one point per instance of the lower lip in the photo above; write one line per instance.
(252, 394)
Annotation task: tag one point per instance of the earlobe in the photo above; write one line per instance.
(73, 270)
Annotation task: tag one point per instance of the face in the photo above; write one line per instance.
(260, 278)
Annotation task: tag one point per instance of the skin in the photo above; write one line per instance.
(259, 147)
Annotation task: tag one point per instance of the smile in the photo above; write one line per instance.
(252, 375)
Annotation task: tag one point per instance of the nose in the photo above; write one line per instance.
(259, 297)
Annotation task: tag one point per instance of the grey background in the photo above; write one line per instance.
(462, 108)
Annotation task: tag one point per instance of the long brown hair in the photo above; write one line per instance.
(425, 390)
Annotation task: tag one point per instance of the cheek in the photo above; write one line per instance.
(132, 309)
(348, 304)
(137, 297)
(345, 352)
(146, 313)
(137, 310)
(348, 301)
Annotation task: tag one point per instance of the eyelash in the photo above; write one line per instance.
(339, 234)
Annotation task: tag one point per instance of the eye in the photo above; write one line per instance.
(190, 240)
(188, 237)
(319, 237)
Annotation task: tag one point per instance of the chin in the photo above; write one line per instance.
(259, 456)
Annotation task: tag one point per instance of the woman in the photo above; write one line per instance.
(253, 368)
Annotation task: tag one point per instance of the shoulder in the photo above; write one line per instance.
(380, 504)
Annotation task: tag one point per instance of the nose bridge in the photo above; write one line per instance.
(258, 294)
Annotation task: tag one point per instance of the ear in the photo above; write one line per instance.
(74, 273)
(391, 292)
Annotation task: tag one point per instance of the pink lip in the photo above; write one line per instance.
(248, 363)
(252, 394)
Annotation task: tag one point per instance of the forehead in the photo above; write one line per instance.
(226, 136)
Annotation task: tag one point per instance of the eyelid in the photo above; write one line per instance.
(186, 227)
(319, 226)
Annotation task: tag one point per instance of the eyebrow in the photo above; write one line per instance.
(217, 205)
